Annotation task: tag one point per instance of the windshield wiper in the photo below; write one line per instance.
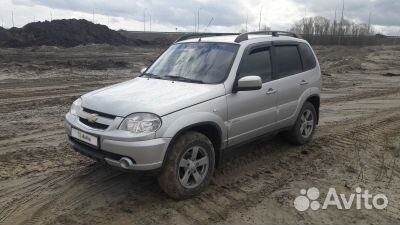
(150, 75)
(184, 79)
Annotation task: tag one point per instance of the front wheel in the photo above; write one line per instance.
(188, 167)
(304, 128)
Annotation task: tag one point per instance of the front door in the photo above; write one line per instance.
(252, 113)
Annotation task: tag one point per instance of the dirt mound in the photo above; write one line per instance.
(99, 64)
(63, 33)
(155, 38)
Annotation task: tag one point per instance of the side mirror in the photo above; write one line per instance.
(143, 70)
(249, 83)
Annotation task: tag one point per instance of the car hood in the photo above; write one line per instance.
(149, 95)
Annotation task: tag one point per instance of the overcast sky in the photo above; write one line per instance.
(226, 15)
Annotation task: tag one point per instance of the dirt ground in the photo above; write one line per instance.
(42, 181)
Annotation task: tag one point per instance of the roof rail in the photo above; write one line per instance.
(245, 36)
(200, 35)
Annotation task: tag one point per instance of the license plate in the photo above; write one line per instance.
(90, 139)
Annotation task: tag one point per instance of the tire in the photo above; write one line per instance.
(301, 133)
(186, 173)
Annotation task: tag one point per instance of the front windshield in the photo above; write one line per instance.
(207, 63)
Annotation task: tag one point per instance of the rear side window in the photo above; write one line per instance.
(257, 63)
(307, 57)
(287, 61)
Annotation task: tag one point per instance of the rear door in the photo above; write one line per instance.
(252, 113)
(289, 78)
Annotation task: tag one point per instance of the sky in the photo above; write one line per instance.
(215, 15)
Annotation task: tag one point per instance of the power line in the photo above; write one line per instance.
(209, 23)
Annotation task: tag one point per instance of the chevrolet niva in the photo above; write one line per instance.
(205, 94)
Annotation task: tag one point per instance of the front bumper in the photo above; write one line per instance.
(145, 154)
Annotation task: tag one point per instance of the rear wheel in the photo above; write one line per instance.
(188, 166)
(304, 128)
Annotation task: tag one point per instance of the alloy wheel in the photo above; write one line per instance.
(193, 167)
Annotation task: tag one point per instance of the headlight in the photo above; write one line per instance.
(76, 106)
(141, 123)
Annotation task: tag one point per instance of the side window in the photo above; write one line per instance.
(307, 57)
(258, 63)
(287, 61)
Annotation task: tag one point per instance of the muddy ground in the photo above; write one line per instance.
(42, 181)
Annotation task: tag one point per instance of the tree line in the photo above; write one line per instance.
(322, 26)
(319, 30)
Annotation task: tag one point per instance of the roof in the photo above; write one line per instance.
(232, 38)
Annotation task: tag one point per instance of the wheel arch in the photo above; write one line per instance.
(210, 129)
(315, 101)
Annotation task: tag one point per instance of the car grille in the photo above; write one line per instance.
(103, 122)
(94, 125)
(101, 114)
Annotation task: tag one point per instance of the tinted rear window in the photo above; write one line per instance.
(307, 56)
(257, 63)
(287, 61)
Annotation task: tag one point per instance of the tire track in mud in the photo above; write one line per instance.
(240, 190)
(82, 193)
(54, 192)
(88, 193)
(22, 94)
(374, 129)
(363, 95)
(28, 196)
(240, 183)
(31, 136)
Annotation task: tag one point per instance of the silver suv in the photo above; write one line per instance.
(205, 94)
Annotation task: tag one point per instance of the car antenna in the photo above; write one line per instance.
(209, 23)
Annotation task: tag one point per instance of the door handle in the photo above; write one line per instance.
(271, 91)
(303, 82)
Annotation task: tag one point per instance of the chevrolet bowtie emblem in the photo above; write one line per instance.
(92, 118)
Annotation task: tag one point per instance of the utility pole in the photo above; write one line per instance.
(198, 19)
(369, 23)
(150, 22)
(341, 30)
(342, 18)
(247, 19)
(12, 18)
(259, 22)
(195, 22)
(144, 21)
(334, 22)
